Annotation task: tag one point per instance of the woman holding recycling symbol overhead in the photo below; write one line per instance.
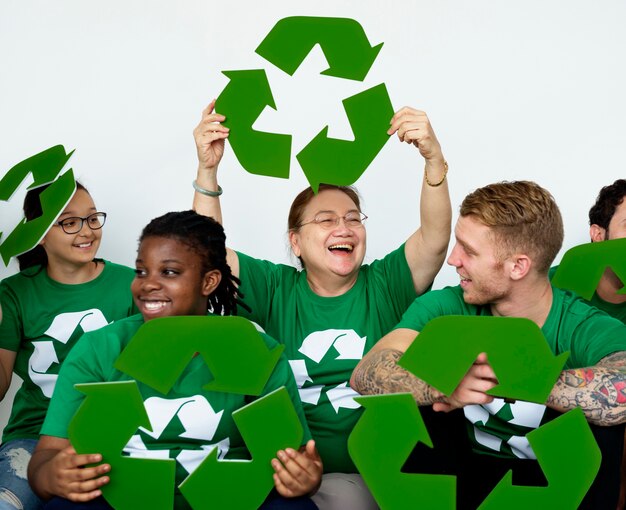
(333, 310)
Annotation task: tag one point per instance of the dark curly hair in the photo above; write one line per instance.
(206, 237)
(609, 198)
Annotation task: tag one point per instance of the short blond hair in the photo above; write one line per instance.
(524, 218)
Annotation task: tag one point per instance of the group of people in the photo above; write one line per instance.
(343, 324)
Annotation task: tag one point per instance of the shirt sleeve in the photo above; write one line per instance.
(259, 280)
(81, 366)
(448, 301)
(393, 273)
(11, 330)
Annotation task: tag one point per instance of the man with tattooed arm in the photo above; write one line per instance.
(507, 237)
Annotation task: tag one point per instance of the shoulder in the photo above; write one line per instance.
(118, 333)
(111, 269)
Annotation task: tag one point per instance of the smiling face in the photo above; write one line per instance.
(170, 279)
(617, 225)
(483, 274)
(79, 248)
(338, 250)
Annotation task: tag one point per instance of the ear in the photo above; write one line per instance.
(293, 241)
(597, 233)
(520, 265)
(210, 281)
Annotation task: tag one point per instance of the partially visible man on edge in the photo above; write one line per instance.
(607, 221)
(507, 237)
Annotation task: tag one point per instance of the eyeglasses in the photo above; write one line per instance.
(74, 224)
(331, 220)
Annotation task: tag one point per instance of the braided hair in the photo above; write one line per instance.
(206, 237)
(32, 209)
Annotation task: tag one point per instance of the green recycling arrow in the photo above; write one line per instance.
(342, 162)
(267, 425)
(110, 414)
(582, 266)
(232, 348)
(342, 40)
(394, 421)
(241, 102)
(28, 233)
(559, 445)
(516, 349)
(44, 168)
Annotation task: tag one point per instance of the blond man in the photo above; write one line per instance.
(507, 237)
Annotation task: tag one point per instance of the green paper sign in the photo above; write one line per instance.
(45, 168)
(156, 356)
(324, 159)
(518, 353)
(582, 266)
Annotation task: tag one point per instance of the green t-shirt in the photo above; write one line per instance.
(499, 428)
(617, 310)
(41, 320)
(325, 337)
(187, 423)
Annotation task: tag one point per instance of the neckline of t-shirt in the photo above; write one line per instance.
(83, 285)
(330, 300)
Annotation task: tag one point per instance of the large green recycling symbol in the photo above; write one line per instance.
(45, 168)
(526, 370)
(324, 159)
(240, 362)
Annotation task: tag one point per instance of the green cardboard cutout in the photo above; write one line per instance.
(324, 159)
(441, 355)
(582, 266)
(156, 356)
(44, 167)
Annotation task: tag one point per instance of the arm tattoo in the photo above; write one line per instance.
(379, 373)
(600, 391)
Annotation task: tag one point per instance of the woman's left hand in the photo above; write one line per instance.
(298, 473)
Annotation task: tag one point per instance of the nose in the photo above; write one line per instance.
(84, 229)
(150, 283)
(454, 258)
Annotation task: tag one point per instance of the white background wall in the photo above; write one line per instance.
(530, 90)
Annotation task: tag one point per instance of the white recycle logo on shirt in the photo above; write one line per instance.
(61, 330)
(349, 345)
(198, 419)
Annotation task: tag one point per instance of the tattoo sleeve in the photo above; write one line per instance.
(600, 391)
(379, 373)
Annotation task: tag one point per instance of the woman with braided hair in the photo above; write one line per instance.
(181, 270)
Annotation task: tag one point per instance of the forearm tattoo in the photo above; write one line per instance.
(599, 391)
(379, 373)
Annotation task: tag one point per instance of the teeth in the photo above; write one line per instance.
(83, 245)
(348, 247)
(153, 306)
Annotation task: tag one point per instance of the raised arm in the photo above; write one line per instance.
(600, 391)
(378, 373)
(210, 137)
(426, 248)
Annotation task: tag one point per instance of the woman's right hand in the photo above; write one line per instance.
(68, 477)
(209, 135)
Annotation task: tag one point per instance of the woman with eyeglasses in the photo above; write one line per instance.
(333, 311)
(61, 291)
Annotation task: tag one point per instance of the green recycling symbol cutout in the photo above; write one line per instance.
(45, 168)
(526, 370)
(239, 362)
(582, 266)
(324, 159)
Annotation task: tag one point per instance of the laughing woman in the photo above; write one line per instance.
(336, 308)
(181, 270)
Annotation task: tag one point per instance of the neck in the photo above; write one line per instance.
(608, 287)
(72, 274)
(331, 285)
(530, 300)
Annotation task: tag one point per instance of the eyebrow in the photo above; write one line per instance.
(65, 213)
(323, 211)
